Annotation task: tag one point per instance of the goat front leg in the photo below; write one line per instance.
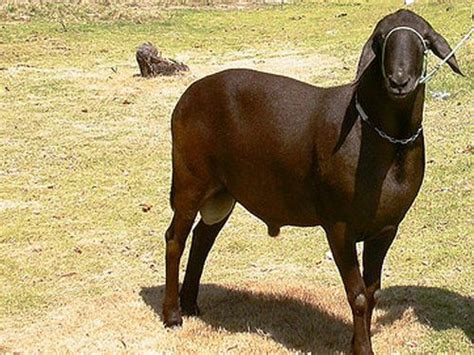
(343, 247)
(374, 254)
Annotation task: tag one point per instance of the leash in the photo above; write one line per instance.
(444, 61)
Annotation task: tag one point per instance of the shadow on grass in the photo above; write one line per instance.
(288, 320)
(303, 326)
(438, 308)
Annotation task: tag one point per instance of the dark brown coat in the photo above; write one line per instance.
(295, 154)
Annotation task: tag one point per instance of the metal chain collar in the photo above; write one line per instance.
(381, 133)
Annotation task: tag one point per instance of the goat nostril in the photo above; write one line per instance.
(398, 82)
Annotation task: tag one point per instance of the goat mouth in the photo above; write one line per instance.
(397, 93)
(401, 92)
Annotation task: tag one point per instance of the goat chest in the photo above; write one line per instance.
(369, 183)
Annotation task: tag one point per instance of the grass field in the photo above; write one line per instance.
(84, 144)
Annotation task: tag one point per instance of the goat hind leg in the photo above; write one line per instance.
(176, 236)
(203, 239)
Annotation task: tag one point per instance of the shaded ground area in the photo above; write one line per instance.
(263, 317)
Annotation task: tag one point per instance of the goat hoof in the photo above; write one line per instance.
(361, 349)
(172, 319)
(190, 310)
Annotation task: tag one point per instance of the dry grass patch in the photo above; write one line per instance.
(251, 318)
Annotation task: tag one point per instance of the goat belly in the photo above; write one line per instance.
(273, 203)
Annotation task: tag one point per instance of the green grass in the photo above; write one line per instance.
(77, 160)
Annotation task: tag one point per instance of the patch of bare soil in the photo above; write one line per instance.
(299, 65)
(4, 204)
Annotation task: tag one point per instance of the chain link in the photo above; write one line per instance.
(381, 133)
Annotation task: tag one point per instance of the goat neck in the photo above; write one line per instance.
(397, 117)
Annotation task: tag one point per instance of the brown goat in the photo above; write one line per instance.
(295, 154)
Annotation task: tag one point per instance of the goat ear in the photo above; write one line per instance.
(441, 48)
(367, 56)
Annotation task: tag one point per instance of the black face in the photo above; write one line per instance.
(403, 63)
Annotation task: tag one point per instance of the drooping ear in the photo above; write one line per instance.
(367, 56)
(441, 48)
